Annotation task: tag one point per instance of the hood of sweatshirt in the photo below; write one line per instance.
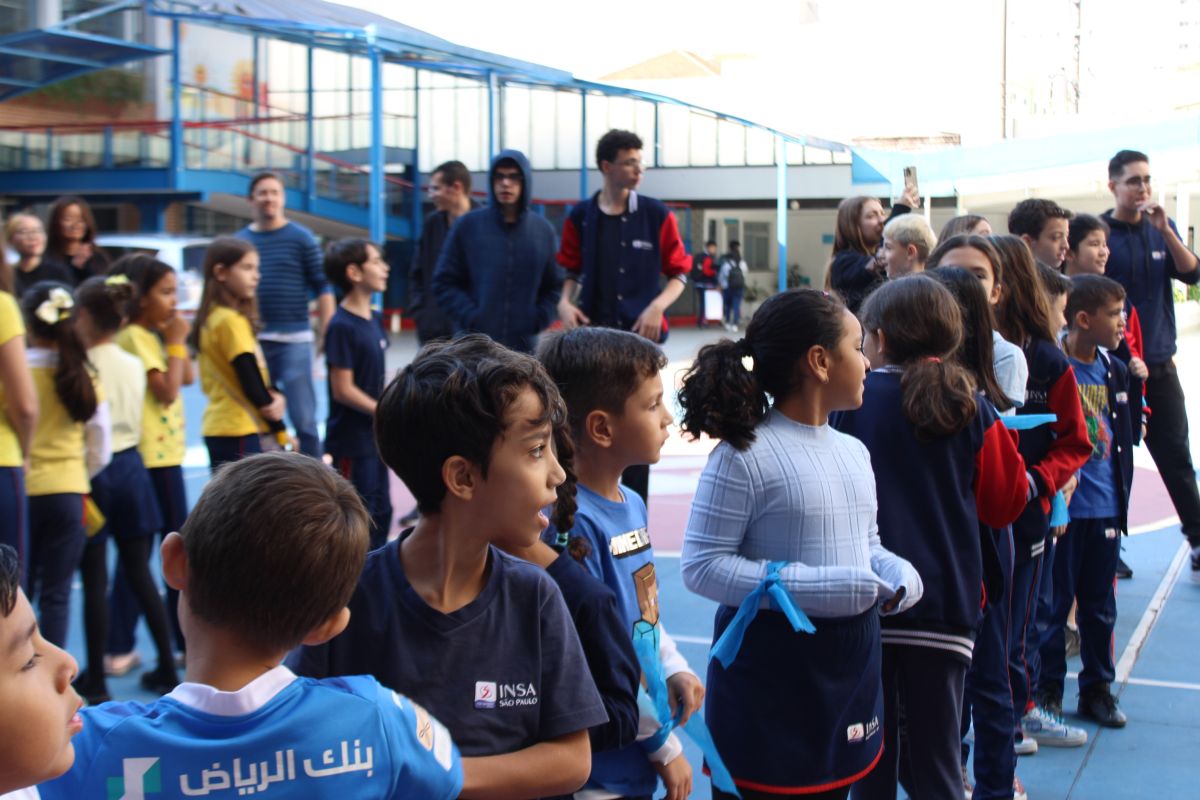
(526, 174)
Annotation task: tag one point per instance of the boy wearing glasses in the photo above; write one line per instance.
(618, 247)
(1146, 253)
(496, 272)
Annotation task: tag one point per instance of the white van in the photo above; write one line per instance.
(184, 253)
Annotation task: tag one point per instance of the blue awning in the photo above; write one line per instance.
(32, 59)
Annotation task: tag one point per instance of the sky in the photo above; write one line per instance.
(869, 68)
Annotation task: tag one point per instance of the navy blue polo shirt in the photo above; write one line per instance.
(502, 673)
(358, 345)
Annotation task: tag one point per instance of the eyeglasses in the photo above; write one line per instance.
(509, 177)
(28, 232)
(1137, 182)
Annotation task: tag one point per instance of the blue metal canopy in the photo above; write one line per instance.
(319, 23)
(32, 59)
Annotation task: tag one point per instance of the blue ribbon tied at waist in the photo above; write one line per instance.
(727, 647)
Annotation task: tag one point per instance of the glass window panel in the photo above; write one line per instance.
(731, 144)
(568, 107)
(702, 140)
(760, 147)
(673, 124)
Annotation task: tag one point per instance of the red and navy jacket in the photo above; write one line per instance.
(650, 247)
(932, 496)
(1054, 452)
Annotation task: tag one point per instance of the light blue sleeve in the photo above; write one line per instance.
(713, 566)
(424, 759)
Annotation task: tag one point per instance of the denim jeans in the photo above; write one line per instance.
(290, 365)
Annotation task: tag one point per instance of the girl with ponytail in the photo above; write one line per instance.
(122, 490)
(787, 504)
(71, 443)
(945, 463)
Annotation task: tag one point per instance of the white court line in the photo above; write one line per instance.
(1150, 616)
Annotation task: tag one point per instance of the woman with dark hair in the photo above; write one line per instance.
(72, 240)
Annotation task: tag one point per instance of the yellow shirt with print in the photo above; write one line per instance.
(163, 441)
(56, 455)
(225, 336)
(11, 326)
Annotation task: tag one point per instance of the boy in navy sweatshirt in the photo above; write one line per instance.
(354, 345)
(1085, 563)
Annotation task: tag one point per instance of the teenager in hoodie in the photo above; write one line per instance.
(496, 272)
(1146, 253)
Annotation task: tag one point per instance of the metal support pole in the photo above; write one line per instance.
(583, 154)
(176, 110)
(377, 207)
(657, 138)
(255, 90)
(492, 138)
(417, 198)
(781, 208)
(310, 140)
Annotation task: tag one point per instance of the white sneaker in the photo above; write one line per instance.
(968, 789)
(1025, 746)
(1019, 792)
(1050, 730)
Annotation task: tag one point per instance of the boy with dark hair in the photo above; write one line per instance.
(481, 638)
(1147, 254)
(1085, 561)
(40, 706)
(450, 193)
(618, 245)
(1042, 224)
(613, 388)
(704, 277)
(266, 560)
(355, 342)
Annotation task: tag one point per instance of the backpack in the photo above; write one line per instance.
(737, 278)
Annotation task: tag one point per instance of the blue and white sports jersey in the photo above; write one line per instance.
(280, 736)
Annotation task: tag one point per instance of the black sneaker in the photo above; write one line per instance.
(1196, 564)
(1124, 571)
(1050, 698)
(1097, 703)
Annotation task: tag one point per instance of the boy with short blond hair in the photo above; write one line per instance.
(266, 560)
(613, 388)
(907, 242)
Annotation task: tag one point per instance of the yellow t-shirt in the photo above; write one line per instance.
(225, 336)
(56, 456)
(124, 385)
(163, 439)
(11, 326)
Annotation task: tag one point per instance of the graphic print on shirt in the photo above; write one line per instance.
(1094, 399)
(646, 584)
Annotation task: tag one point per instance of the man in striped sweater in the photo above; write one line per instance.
(290, 264)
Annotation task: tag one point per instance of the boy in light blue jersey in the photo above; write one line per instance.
(614, 392)
(266, 560)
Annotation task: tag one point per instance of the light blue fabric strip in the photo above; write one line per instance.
(1025, 422)
(727, 647)
(1058, 511)
(646, 644)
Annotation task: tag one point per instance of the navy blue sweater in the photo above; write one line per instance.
(932, 497)
(292, 274)
(500, 278)
(1141, 262)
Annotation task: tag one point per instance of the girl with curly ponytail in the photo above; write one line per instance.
(786, 504)
(945, 463)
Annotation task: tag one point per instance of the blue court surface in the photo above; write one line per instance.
(1157, 642)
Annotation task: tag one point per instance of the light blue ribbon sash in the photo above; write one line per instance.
(727, 647)
(646, 645)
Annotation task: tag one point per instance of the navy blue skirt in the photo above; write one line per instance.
(126, 496)
(796, 712)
